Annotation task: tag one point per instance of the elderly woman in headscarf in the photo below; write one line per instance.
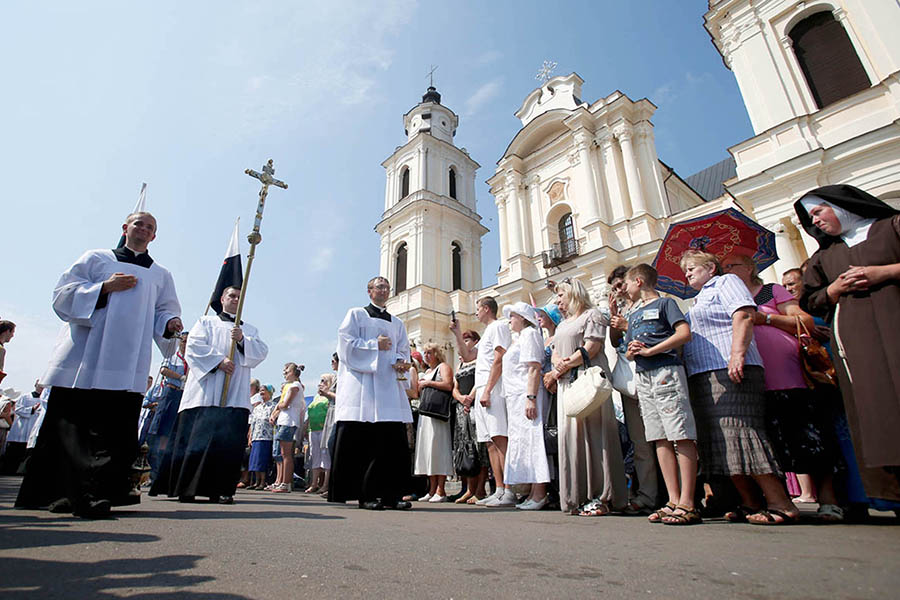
(854, 280)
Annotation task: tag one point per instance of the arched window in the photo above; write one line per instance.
(404, 183)
(456, 261)
(567, 235)
(829, 62)
(400, 269)
(452, 176)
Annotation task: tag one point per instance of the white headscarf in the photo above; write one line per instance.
(854, 229)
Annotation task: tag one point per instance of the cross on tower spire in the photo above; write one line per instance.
(431, 75)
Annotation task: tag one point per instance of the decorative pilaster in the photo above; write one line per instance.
(591, 199)
(632, 177)
(502, 226)
(619, 205)
(649, 167)
(514, 221)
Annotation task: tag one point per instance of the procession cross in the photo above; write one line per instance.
(267, 179)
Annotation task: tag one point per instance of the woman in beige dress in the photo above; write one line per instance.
(591, 469)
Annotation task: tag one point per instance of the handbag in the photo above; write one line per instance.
(551, 433)
(465, 459)
(589, 391)
(435, 403)
(816, 364)
(623, 376)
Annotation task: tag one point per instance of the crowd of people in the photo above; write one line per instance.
(728, 408)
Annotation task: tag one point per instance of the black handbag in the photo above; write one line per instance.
(435, 403)
(465, 460)
(551, 434)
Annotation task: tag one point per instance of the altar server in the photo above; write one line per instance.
(204, 456)
(26, 413)
(371, 455)
(114, 303)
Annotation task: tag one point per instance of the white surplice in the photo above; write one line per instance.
(25, 415)
(208, 344)
(109, 348)
(368, 389)
(39, 418)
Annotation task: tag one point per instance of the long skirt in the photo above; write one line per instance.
(526, 459)
(590, 457)
(163, 422)
(318, 456)
(433, 447)
(800, 426)
(204, 455)
(260, 455)
(85, 451)
(731, 423)
(371, 461)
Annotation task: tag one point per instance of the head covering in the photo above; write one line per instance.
(552, 311)
(855, 209)
(524, 310)
(269, 387)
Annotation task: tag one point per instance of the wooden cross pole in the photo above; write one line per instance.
(267, 179)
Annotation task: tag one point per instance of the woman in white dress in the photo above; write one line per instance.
(526, 458)
(433, 435)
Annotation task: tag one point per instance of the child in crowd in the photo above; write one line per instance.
(656, 329)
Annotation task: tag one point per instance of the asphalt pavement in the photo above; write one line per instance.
(284, 546)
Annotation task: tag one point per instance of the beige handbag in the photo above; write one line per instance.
(589, 391)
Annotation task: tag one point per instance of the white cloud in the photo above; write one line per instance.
(488, 57)
(322, 259)
(482, 96)
(673, 91)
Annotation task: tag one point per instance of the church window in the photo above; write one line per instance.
(404, 183)
(827, 58)
(452, 177)
(456, 256)
(567, 235)
(400, 269)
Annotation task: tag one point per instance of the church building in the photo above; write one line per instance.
(580, 188)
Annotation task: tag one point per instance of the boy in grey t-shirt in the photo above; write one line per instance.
(656, 329)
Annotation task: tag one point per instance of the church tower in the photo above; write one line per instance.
(430, 232)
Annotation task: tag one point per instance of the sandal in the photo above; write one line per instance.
(311, 490)
(830, 513)
(657, 515)
(739, 514)
(594, 508)
(688, 516)
(772, 517)
(463, 499)
(474, 499)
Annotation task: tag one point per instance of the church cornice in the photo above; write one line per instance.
(416, 199)
(420, 140)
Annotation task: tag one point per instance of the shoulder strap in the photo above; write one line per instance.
(584, 357)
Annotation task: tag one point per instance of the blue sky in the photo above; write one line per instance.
(101, 96)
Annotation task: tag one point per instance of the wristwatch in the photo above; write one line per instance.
(531, 397)
(768, 319)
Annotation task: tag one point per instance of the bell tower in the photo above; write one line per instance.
(430, 231)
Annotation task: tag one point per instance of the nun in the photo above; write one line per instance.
(853, 280)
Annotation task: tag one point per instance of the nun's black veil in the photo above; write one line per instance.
(849, 198)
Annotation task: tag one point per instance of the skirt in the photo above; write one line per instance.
(731, 423)
(163, 422)
(371, 460)
(433, 447)
(260, 455)
(319, 458)
(459, 419)
(800, 424)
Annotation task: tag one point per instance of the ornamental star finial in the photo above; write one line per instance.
(543, 74)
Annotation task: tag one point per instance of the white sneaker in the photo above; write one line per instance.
(508, 498)
(425, 498)
(484, 501)
(437, 498)
(534, 504)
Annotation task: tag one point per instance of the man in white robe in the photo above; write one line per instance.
(204, 456)
(26, 412)
(114, 304)
(371, 455)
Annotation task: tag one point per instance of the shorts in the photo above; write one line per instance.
(665, 404)
(490, 422)
(284, 433)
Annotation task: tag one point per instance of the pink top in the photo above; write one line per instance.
(780, 350)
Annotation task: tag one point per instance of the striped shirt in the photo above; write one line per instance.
(710, 321)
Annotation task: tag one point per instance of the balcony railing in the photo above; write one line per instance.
(560, 253)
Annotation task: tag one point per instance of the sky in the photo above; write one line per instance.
(102, 96)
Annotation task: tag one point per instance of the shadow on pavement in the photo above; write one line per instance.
(30, 532)
(31, 578)
(222, 513)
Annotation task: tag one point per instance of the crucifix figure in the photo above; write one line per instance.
(431, 76)
(543, 74)
(267, 178)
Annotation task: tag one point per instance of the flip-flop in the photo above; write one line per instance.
(770, 515)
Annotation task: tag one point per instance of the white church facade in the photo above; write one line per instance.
(580, 188)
